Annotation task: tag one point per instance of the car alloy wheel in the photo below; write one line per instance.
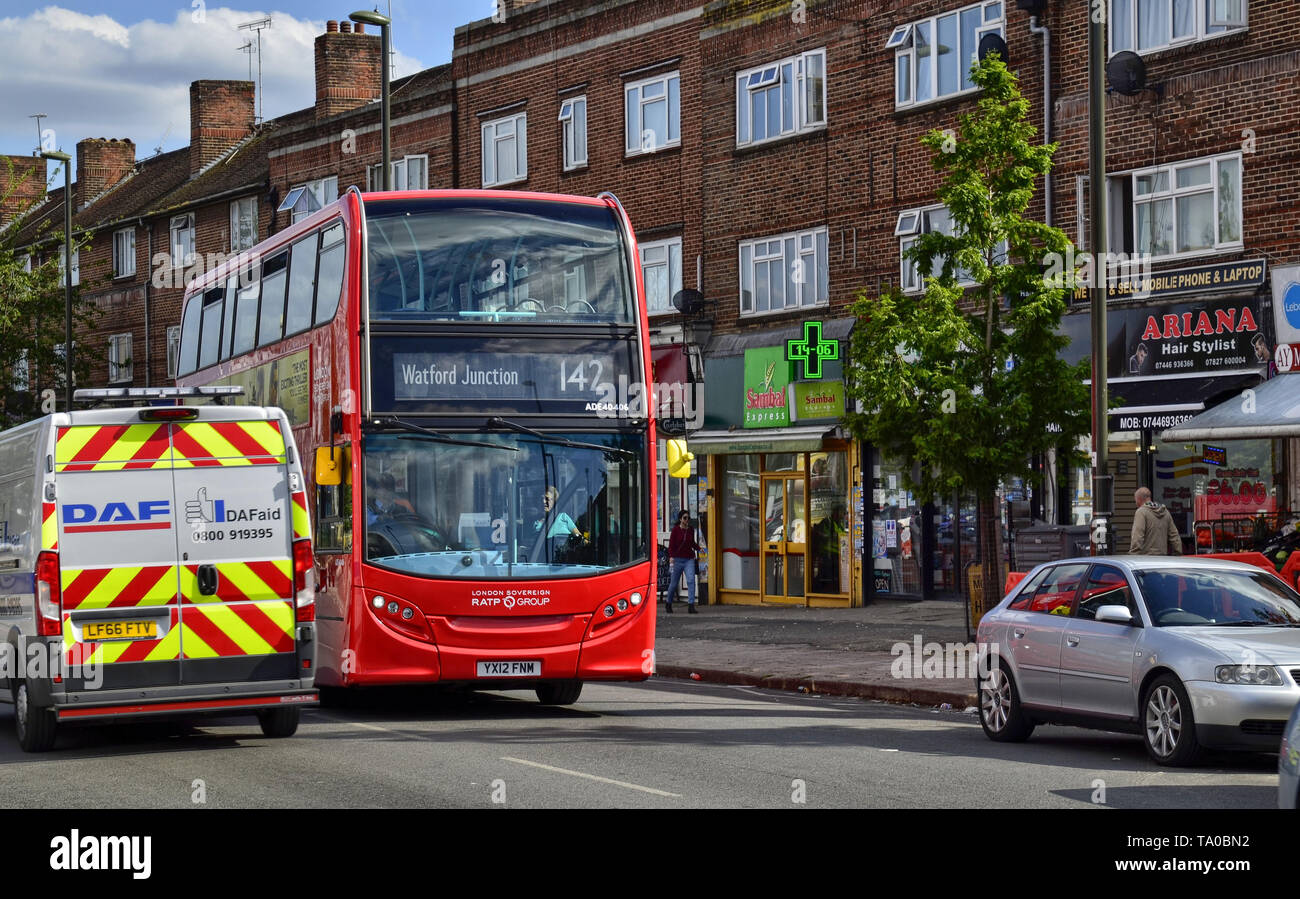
(1164, 720)
(1169, 723)
(1001, 715)
(995, 700)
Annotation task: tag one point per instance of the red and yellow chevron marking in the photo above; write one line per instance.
(112, 447)
(112, 588)
(49, 526)
(241, 581)
(301, 522)
(238, 629)
(164, 649)
(198, 444)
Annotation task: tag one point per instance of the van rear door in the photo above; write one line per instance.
(117, 549)
(234, 544)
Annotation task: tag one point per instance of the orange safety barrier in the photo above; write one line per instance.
(1015, 577)
(1291, 570)
(1259, 560)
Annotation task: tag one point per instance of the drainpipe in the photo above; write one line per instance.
(1043, 32)
(148, 278)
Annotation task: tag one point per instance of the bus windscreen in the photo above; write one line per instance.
(504, 506)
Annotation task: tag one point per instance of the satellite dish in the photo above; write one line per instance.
(992, 42)
(688, 301)
(1126, 73)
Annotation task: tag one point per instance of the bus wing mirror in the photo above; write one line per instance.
(330, 464)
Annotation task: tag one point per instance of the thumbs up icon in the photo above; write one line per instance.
(199, 509)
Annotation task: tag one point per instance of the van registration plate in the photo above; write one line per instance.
(125, 629)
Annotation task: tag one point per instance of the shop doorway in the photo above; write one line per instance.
(785, 542)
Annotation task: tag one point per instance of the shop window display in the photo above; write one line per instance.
(740, 522)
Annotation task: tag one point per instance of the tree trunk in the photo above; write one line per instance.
(990, 548)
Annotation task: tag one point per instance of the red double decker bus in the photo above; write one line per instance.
(465, 373)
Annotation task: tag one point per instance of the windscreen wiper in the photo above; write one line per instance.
(378, 424)
(499, 422)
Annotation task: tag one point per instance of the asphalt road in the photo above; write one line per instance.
(664, 744)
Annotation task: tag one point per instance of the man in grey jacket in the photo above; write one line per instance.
(1154, 532)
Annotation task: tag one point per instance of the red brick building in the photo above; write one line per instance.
(767, 152)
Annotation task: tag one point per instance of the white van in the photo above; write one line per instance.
(154, 560)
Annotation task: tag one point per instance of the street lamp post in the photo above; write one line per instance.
(1102, 490)
(67, 268)
(374, 18)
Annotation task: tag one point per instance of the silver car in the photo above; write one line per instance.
(1191, 653)
(1288, 763)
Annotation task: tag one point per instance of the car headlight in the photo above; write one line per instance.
(1251, 675)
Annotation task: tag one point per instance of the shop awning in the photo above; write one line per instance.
(776, 440)
(1273, 411)
(1168, 402)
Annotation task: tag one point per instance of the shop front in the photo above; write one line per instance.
(782, 526)
(1170, 358)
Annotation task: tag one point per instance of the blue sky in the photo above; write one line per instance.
(122, 68)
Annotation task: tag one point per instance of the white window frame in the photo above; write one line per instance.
(173, 349)
(182, 225)
(786, 74)
(1172, 193)
(124, 253)
(807, 247)
(1207, 24)
(237, 214)
(76, 268)
(121, 367)
(634, 94)
(573, 131)
(401, 173)
(20, 373)
(660, 254)
(992, 19)
(492, 135)
(912, 223)
(61, 365)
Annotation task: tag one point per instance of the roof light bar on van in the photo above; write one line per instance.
(139, 394)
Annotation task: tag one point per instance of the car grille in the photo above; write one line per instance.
(1263, 728)
(1295, 675)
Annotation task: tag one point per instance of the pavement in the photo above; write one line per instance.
(885, 651)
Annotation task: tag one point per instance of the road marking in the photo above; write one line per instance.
(595, 777)
(384, 730)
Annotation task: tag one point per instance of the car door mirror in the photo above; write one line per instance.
(1115, 614)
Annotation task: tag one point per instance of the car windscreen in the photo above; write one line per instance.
(1210, 597)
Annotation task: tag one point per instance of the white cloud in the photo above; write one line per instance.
(95, 77)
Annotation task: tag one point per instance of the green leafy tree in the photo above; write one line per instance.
(32, 315)
(965, 384)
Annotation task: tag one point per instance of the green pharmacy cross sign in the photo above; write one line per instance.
(811, 350)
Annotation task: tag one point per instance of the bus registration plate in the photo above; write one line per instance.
(510, 669)
(120, 630)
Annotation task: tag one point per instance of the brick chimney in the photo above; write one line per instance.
(32, 172)
(101, 163)
(348, 70)
(221, 114)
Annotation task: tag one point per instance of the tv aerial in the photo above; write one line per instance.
(257, 26)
